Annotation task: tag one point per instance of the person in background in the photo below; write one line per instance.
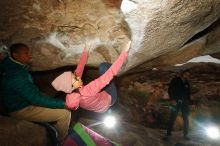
(23, 100)
(179, 93)
(99, 94)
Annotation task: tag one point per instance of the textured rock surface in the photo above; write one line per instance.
(205, 42)
(21, 133)
(159, 27)
(57, 29)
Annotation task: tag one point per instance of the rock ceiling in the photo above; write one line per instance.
(163, 32)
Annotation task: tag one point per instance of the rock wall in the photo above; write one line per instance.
(56, 30)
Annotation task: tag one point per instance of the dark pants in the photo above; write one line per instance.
(184, 107)
(110, 88)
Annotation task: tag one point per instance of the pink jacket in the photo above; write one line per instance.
(90, 96)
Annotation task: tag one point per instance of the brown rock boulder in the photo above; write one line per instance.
(21, 133)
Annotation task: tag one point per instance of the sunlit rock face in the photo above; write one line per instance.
(161, 27)
(56, 30)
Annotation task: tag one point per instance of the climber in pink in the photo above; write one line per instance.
(99, 94)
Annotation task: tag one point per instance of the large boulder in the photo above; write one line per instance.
(57, 30)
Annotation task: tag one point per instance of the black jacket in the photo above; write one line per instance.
(179, 89)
